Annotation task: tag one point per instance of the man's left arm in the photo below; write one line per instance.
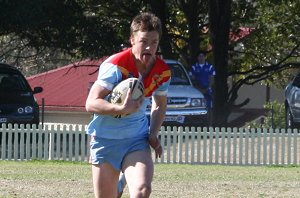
(211, 81)
(158, 110)
(212, 76)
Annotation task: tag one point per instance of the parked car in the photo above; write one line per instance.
(186, 104)
(292, 103)
(17, 103)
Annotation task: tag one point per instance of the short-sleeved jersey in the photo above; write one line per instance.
(202, 73)
(115, 69)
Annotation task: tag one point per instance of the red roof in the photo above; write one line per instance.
(240, 33)
(66, 88)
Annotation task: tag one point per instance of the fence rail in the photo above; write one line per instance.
(230, 146)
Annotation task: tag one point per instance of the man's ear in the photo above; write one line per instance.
(132, 40)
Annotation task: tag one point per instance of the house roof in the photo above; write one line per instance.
(66, 88)
(241, 33)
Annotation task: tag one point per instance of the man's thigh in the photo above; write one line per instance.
(105, 179)
(138, 168)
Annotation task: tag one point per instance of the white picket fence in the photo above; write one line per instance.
(180, 145)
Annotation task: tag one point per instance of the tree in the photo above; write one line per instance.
(270, 50)
(41, 35)
(65, 25)
(93, 28)
(28, 59)
(220, 18)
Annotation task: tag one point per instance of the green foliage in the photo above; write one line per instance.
(272, 46)
(275, 117)
(59, 24)
(49, 33)
(37, 36)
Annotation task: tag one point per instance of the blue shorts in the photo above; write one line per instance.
(113, 151)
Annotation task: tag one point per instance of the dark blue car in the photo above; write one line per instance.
(17, 103)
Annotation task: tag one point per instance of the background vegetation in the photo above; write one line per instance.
(249, 41)
(275, 117)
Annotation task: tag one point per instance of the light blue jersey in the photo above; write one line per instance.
(133, 125)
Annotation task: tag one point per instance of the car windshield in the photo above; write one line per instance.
(12, 82)
(179, 76)
(296, 81)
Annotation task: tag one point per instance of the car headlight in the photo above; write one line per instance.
(20, 110)
(196, 102)
(27, 109)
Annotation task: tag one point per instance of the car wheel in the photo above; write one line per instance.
(289, 122)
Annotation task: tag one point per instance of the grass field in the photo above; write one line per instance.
(66, 179)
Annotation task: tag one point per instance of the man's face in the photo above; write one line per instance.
(144, 46)
(201, 58)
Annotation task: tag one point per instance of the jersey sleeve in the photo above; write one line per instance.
(162, 90)
(192, 71)
(109, 75)
(212, 70)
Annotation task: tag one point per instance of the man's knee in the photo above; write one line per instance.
(143, 190)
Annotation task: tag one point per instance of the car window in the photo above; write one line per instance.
(179, 76)
(296, 81)
(12, 82)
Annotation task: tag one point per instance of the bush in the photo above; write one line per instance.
(274, 119)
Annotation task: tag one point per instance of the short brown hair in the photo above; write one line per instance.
(146, 22)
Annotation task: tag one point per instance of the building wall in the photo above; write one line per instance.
(60, 117)
(257, 94)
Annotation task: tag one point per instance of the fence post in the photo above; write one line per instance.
(4, 145)
(205, 129)
(265, 150)
(192, 145)
(241, 144)
(51, 139)
(296, 135)
(217, 147)
(271, 132)
(51, 142)
(234, 145)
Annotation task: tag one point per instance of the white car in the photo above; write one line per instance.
(186, 104)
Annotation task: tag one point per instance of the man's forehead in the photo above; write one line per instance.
(151, 34)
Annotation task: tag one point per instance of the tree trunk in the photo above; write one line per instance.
(159, 9)
(194, 39)
(220, 18)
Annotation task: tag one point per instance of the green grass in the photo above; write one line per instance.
(67, 179)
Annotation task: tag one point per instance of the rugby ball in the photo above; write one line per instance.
(119, 92)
